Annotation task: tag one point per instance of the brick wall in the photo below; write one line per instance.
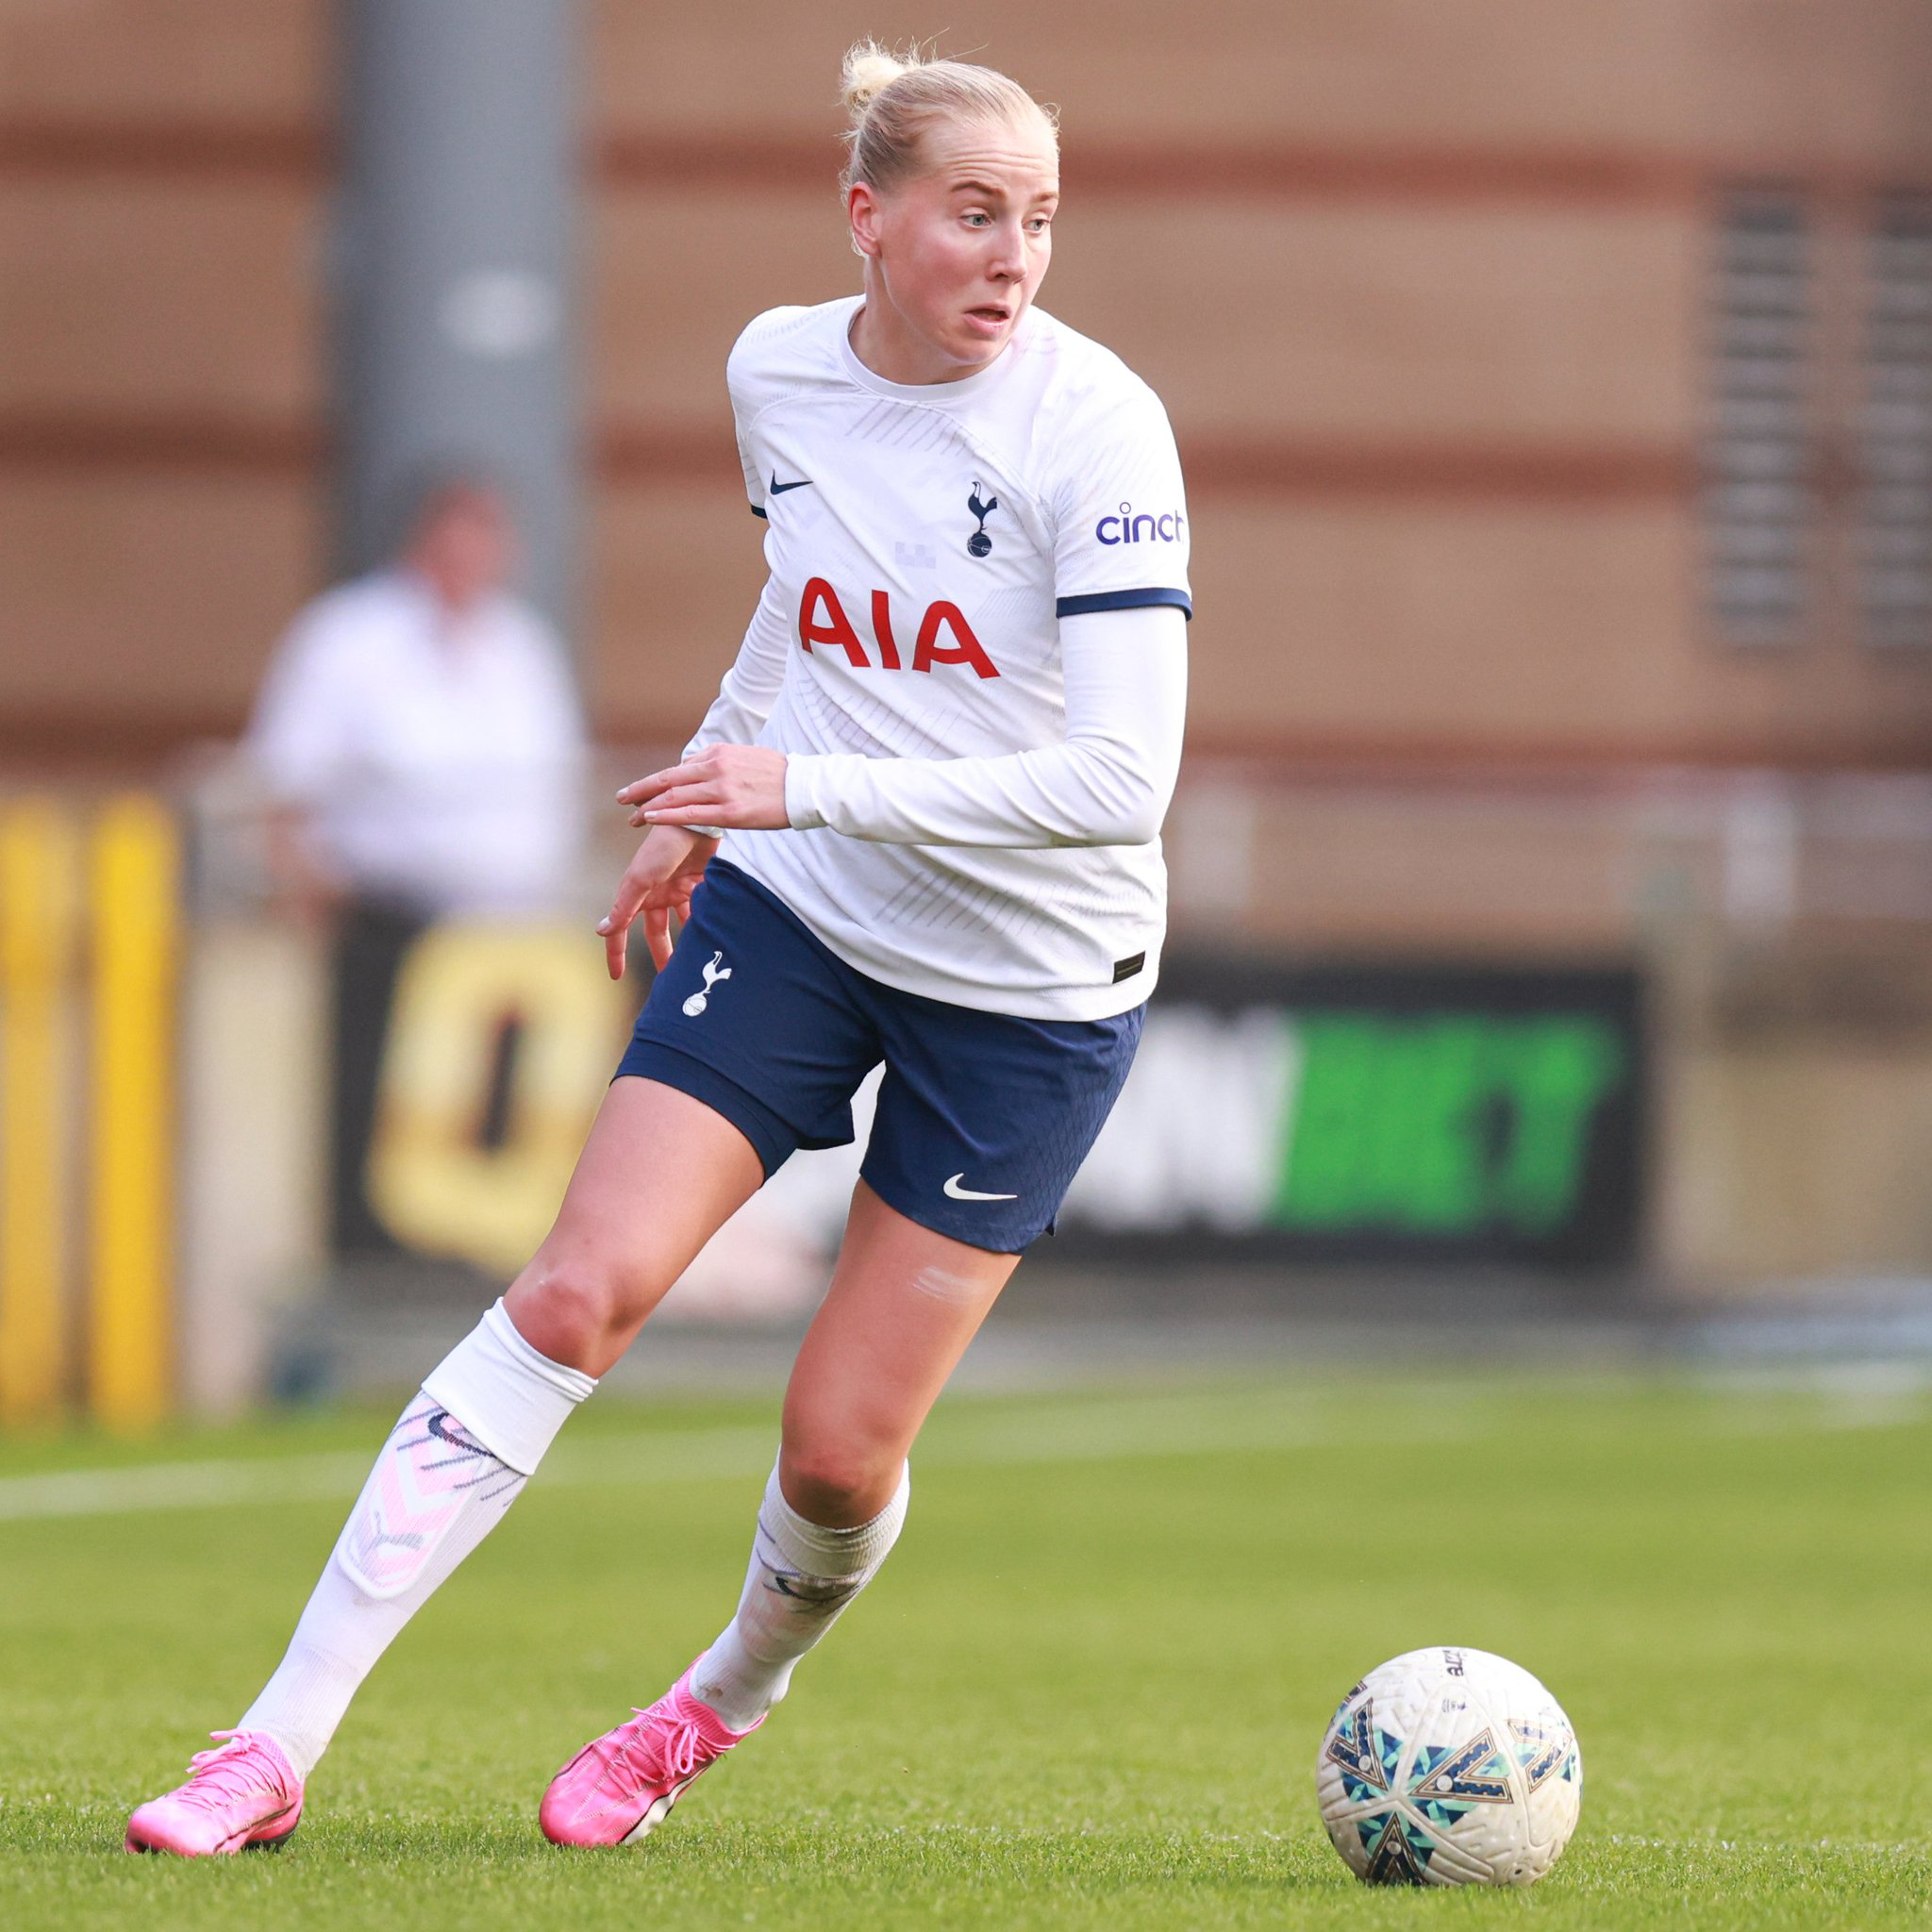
(1423, 283)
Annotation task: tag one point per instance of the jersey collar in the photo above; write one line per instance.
(940, 394)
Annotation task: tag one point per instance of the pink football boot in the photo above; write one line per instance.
(245, 1793)
(622, 1786)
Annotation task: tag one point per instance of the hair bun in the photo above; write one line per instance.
(869, 69)
(894, 98)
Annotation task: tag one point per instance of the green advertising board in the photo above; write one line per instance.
(1379, 1112)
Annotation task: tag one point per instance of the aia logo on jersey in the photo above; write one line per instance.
(821, 619)
(1129, 528)
(979, 544)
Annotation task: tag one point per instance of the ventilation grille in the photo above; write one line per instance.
(1893, 509)
(1761, 502)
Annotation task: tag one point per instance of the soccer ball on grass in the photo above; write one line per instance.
(1449, 1767)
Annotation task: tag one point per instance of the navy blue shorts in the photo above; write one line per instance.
(983, 1119)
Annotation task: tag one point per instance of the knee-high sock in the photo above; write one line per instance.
(454, 1464)
(802, 1576)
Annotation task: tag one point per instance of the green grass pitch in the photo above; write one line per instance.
(1086, 1691)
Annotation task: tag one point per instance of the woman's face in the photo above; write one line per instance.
(958, 250)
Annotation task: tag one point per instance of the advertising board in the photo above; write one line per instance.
(1376, 1111)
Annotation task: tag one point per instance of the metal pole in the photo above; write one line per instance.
(135, 905)
(39, 901)
(457, 278)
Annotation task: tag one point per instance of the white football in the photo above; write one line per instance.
(1449, 1767)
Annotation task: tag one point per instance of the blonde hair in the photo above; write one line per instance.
(892, 99)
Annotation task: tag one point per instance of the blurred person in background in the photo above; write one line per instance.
(418, 734)
(419, 744)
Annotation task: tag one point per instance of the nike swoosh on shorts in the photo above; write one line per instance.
(959, 1194)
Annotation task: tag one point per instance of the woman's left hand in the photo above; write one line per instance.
(740, 786)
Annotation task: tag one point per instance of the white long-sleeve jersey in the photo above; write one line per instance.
(972, 649)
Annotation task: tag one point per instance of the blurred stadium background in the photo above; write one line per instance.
(1553, 863)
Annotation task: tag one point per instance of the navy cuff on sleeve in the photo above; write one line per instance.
(1124, 600)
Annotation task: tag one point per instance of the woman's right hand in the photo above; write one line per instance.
(657, 882)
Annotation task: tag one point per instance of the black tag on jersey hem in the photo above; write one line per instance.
(1125, 969)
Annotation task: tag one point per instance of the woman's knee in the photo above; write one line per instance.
(583, 1307)
(838, 1480)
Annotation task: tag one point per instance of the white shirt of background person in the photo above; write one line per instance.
(419, 734)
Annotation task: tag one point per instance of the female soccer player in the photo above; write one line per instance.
(938, 765)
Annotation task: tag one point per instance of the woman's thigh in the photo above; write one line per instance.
(903, 1306)
(660, 1175)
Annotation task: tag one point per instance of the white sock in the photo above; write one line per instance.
(802, 1576)
(454, 1464)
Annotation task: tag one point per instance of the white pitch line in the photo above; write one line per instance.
(178, 1485)
(1870, 1848)
(1236, 1422)
(1097, 1431)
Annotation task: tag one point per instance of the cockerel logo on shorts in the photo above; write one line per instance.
(713, 973)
